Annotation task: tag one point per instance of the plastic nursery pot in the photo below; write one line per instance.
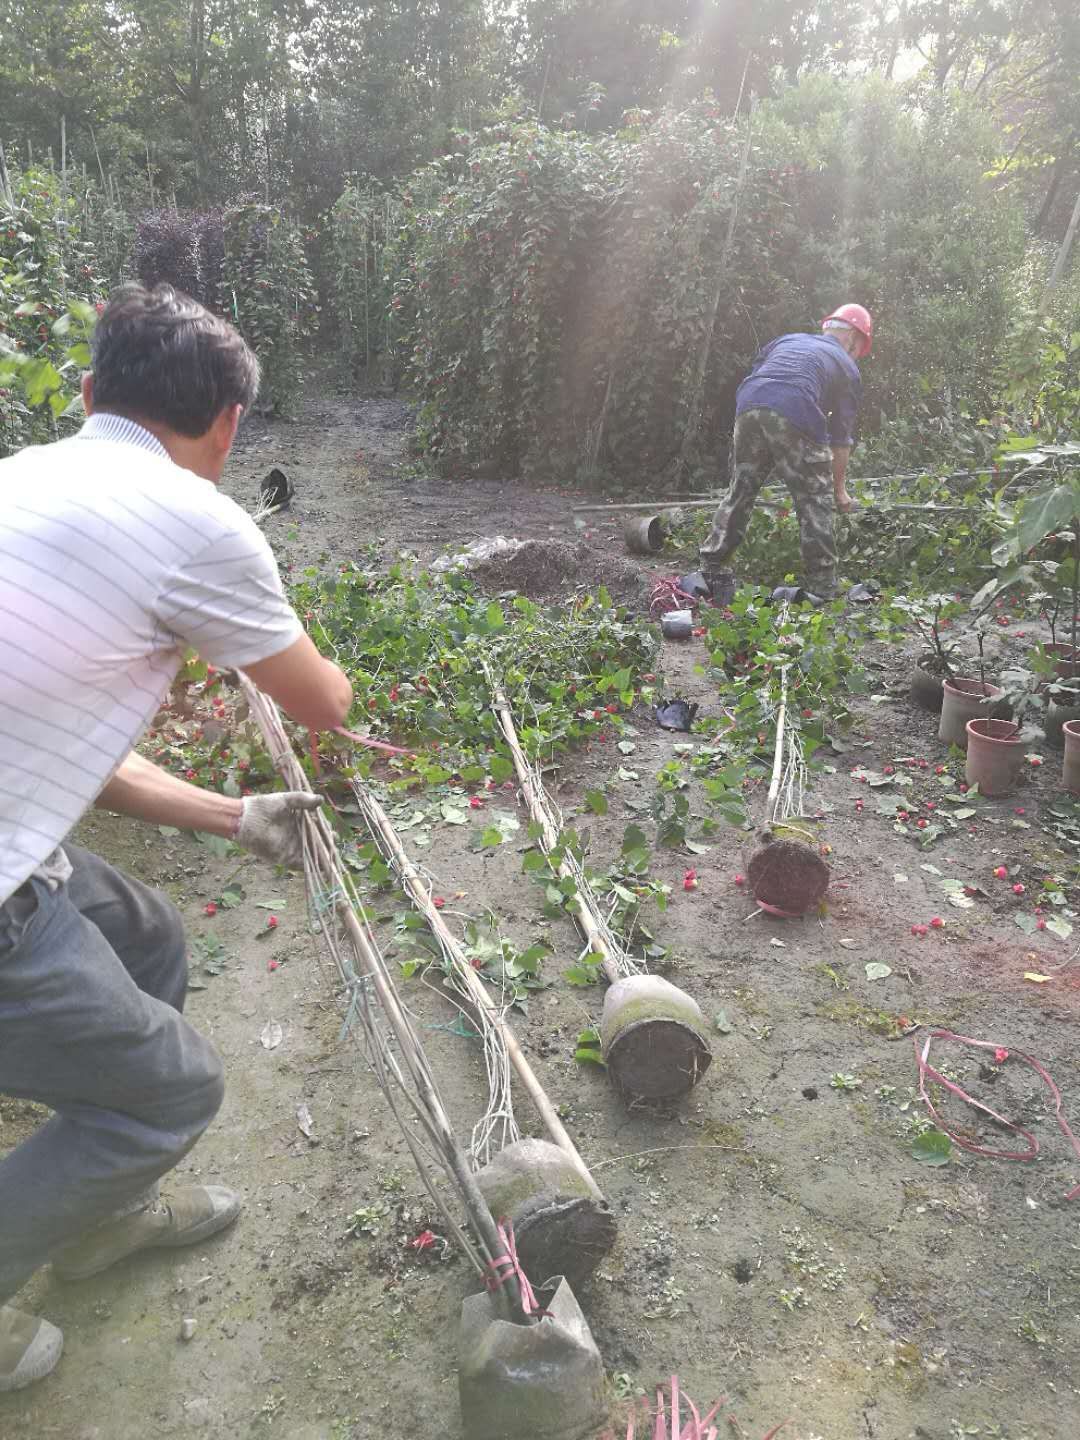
(654, 1038)
(529, 1382)
(964, 700)
(1066, 659)
(644, 534)
(1056, 718)
(1070, 768)
(677, 624)
(926, 684)
(995, 754)
(560, 1228)
(787, 877)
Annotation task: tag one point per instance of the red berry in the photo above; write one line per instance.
(740, 879)
(210, 908)
(920, 824)
(937, 923)
(475, 802)
(612, 709)
(1040, 924)
(1019, 810)
(887, 770)
(1001, 873)
(272, 964)
(1019, 889)
(438, 902)
(189, 774)
(930, 805)
(902, 815)
(1036, 760)
(939, 769)
(271, 922)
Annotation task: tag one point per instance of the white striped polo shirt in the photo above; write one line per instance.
(113, 561)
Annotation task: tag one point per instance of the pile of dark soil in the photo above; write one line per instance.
(547, 569)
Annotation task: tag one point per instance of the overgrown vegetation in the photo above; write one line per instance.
(586, 306)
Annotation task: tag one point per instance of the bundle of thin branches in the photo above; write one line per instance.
(787, 788)
(600, 939)
(497, 1127)
(500, 1046)
(375, 1014)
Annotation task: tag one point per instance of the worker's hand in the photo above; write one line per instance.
(269, 826)
(844, 502)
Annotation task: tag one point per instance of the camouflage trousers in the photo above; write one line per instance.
(769, 448)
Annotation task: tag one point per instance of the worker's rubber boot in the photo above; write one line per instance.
(29, 1348)
(193, 1214)
(721, 585)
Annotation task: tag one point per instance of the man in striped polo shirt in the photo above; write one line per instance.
(117, 553)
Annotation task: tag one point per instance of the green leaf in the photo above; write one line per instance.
(1026, 923)
(495, 617)
(932, 1147)
(533, 860)
(500, 768)
(453, 814)
(491, 835)
(875, 970)
(1059, 927)
(626, 747)
(596, 801)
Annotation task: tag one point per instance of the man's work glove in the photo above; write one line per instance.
(269, 826)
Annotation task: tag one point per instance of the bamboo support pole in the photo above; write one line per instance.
(420, 895)
(550, 839)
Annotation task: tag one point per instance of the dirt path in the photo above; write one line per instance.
(778, 1241)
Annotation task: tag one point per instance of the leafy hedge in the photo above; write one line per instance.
(248, 263)
(573, 306)
(51, 277)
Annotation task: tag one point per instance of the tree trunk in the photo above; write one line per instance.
(1057, 175)
(1063, 254)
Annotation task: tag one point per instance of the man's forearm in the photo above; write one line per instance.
(841, 454)
(144, 791)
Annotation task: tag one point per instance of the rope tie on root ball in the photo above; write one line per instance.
(507, 1264)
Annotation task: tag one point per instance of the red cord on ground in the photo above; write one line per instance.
(926, 1069)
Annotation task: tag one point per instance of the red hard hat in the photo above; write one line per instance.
(859, 319)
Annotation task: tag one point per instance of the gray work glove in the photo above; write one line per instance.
(269, 826)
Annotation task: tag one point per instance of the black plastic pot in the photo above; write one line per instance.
(926, 685)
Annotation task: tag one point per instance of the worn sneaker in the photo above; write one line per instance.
(29, 1348)
(191, 1215)
(721, 585)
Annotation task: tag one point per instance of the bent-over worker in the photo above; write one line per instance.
(794, 421)
(118, 553)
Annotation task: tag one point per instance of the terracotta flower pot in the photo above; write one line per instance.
(1070, 769)
(995, 754)
(964, 700)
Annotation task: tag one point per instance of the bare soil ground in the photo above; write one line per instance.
(778, 1243)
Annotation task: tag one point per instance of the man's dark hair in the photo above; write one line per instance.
(160, 356)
